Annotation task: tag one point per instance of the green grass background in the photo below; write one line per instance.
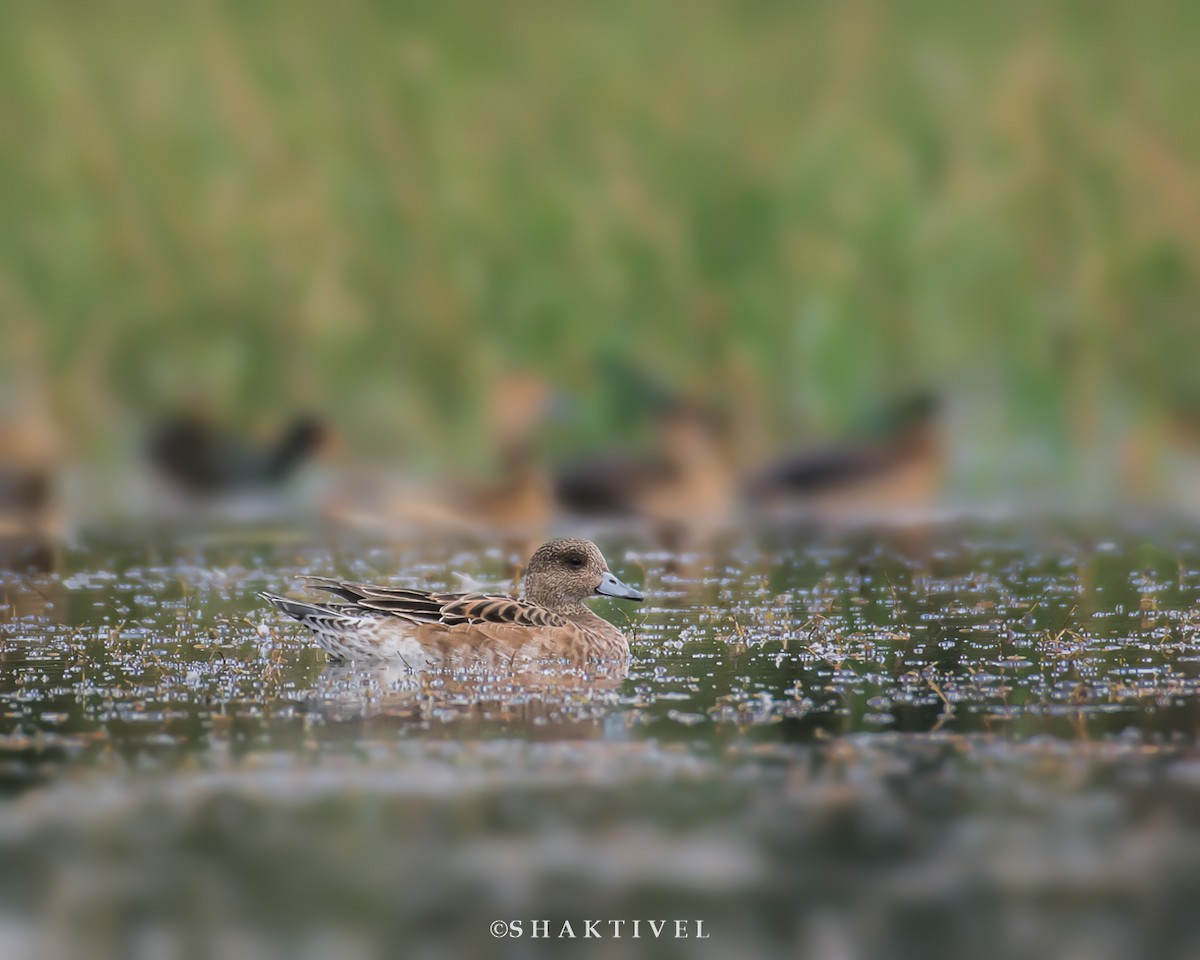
(374, 209)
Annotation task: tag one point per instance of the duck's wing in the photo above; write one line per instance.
(418, 605)
(449, 609)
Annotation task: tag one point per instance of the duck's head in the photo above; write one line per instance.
(563, 573)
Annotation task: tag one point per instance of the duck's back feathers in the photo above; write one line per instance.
(427, 629)
(445, 608)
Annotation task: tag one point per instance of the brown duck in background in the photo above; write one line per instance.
(515, 503)
(684, 490)
(897, 466)
(206, 461)
(30, 514)
(519, 500)
(549, 622)
(1159, 458)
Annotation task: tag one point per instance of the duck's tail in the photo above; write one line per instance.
(336, 633)
(307, 613)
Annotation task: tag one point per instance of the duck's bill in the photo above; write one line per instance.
(610, 586)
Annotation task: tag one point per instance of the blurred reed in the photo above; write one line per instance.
(379, 212)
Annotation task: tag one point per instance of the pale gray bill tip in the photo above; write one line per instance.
(610, 586)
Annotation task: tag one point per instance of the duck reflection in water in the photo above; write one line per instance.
(547, 700)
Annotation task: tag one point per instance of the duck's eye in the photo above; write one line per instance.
(575, 560)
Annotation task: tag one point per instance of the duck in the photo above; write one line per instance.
(31, 522)
(513, 501)
(684, 491)
(423, 629)
(204, 460)
(896, 465)
(515, 504)
(518, 501)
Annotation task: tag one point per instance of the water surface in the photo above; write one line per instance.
(877, 742)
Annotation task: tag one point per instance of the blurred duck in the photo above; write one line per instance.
(895, 466)
(1160, 463)
(685, 490)
(515, 503)
(422, 629)
(30, 521)
(204, 460)
(518, 501)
